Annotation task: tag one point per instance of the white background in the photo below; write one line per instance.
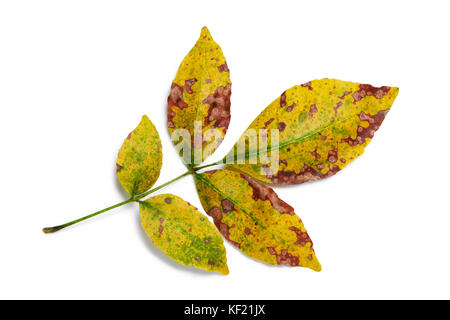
(76, 77)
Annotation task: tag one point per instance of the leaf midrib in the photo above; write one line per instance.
(295, 140)
(225, 196)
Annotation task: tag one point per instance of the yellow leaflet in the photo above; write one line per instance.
(183, 233)
(252, 217)
(323, 126)
(140, 158)
(200, 94)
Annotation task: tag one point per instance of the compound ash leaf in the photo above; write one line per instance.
(199, 99)
(183, 233)
(323, 126)
(140, 158)
(252, 217)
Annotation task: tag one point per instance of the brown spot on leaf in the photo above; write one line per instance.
(333, 156)
(211, 262)
(263, 192)
(118, 168)
(302, 237)
(208, 81)
(307, 85)
(283, 99)
(362, 133)
(312, 110)
(247, 231)
(188, 85)
(320, 166)
(215, 213)
(368, 90)
(175, 99)
(281, 126)
(207, 240)
(223, 67)
(344, 94)
(223, 228)
(291, 107)
(219, 107)
(307, 173)
(267, 169)
(129, 135)
(283, 162)
(266, 124)
(227, 205)
(168, 200)
(284, 257)
(197, 258)
(189, 204)
(315, 154)
(161, 228)
(337, 107)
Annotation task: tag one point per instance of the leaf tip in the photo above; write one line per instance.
(396, 90)
(205, 33)
(225, 271)
(145, 118)
(314, 264)
(317, 267)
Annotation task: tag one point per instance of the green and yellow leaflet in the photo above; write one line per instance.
(183, 233)
(140, 158)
